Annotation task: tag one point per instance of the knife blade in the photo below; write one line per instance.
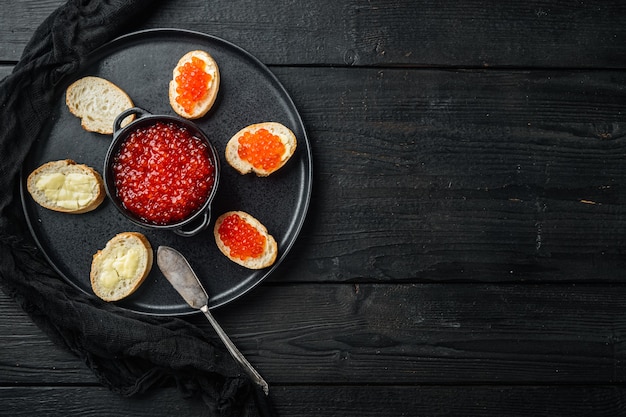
(179, 273)
(184, 280)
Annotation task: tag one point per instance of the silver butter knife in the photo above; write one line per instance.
(179, 273)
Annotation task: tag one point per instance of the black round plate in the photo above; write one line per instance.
(141, 64)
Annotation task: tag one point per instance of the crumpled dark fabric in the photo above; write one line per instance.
(128, 352)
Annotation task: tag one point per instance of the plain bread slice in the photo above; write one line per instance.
(97, 102)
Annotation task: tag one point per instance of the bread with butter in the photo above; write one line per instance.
(268, 252)
(121, 267)
(66, 186)
(97, 102)
(198, 105)
(244, 164)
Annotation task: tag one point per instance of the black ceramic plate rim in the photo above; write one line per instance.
(303, 143)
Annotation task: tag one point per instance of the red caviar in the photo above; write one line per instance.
(262, 149)
(163, 174)
(243, 240)
(192, 83)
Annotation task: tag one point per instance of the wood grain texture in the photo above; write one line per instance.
(95, 401)
(5, 70)
(489, 176)
(390, 334)
(452, 401)
(480, 33)
(463, 175)
(413, 334)
(464, 250)
(348, 401)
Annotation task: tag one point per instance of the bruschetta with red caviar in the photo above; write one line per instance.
(244, 240)
(194, 85)
(262, 148)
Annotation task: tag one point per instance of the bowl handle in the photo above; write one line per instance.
(117, 124)
(206, 219)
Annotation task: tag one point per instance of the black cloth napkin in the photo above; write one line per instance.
(128, 352)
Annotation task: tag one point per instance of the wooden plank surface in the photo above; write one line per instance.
(347, 345)
(393, 334)
(477, 175)
(478, 33)
(464, 250)
(366, 401)
(471, 175)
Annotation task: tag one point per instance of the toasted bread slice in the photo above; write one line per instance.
(247, 163)
(121, 267)
(201, 103)
(230, 246)
(66, 186)
(97, 102)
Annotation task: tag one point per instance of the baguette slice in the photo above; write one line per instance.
(204, 104)
(97, 102)
(121, 267)
(245, 166)
(66, 186)
(269, 251)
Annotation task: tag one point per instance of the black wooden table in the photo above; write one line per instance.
(463, 254)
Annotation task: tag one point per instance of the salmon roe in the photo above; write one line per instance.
(163, 174)
(243, 240)
(193, 83)
(262, 149)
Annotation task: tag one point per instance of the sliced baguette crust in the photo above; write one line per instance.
(65, 166)
(271, 247)
(244, 167)
(124, 241)
(202, 107)
(97, 102)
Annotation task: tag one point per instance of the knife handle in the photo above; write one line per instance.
(236, 354)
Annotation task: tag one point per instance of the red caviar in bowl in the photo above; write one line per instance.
(243, 240)
(192, 84)
(262, 149)
(163, 174)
